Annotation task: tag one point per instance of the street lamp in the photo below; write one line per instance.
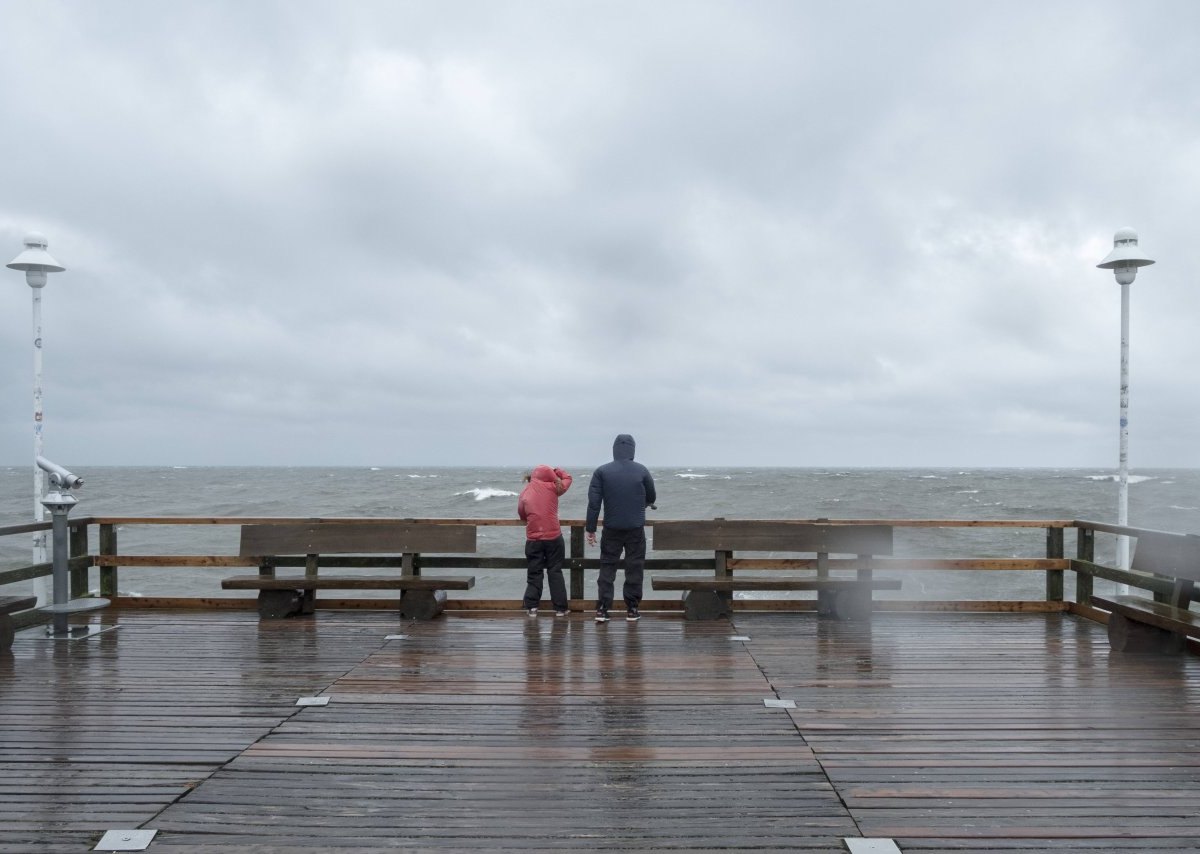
(1124, 261)
(36, 262)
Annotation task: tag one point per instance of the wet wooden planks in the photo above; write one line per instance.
(994, 732)
(105, 732)
(506, 733)
(947, 732)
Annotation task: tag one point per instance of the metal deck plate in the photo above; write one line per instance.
(75, 606)
(772, 703)
(125, 840)
(313, 701)
(394, 637)
(871, 846)
(739, 637)
(75, 633)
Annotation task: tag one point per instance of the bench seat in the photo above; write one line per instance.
(1138, 624)
(346, 582)
(707, 582)
(708, 598)
(10, 605)
(421, 598)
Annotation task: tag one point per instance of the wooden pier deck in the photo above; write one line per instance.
(492, 732)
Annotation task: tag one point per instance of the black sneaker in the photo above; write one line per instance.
(633, 615)
(601, 615)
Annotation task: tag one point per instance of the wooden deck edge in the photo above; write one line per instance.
(744, 605)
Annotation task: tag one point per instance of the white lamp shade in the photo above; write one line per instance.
(35, 258)
(1125, 252)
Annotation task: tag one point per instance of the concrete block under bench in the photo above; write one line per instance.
(9, 605)
(422, 597)
(709, 598)
(1137, 624)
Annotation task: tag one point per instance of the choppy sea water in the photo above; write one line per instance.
(1162, 499)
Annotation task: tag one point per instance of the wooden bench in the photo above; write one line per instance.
(9, 605)
(710, 597)
(1138, 624)
(421, 597)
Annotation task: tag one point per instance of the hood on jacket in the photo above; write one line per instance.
(543, 472)
(623, 447)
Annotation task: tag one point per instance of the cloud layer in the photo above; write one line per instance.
(765, 233)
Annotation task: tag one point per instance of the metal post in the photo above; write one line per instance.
(1124, 260)
(36, 262)
(1123, 457)
(62, 592)
(40, 587)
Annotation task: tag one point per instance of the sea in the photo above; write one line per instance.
(1161, 499)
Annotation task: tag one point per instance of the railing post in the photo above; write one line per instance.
(108, 574)
(576, 561)
(79, 547)
(1085, 549)
(1054, 577)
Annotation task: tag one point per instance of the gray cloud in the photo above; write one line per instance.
(489, 232)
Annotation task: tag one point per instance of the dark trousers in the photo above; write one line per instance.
(545, 556)
(613, 541)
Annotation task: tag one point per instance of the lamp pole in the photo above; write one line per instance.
(1124, 261)
(36, 262)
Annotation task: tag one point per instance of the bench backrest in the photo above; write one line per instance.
(356, 538)
(1176, 555)
(759, 536)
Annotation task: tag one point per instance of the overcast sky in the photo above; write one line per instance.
(749, 233)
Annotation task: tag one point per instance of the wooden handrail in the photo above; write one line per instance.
(107, 556)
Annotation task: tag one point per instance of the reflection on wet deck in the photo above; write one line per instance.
(496, 731)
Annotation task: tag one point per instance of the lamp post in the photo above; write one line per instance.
(36, 262)
(1124, 261)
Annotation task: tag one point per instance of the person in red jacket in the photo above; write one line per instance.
(544, 546)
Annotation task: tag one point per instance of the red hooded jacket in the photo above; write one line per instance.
(538, 504)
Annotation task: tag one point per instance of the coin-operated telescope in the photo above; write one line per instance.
(59, 503)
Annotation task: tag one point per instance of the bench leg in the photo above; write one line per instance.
(852, 604)
(277, 604)
(1126, 635)
(827, 603)
(7, 632)
(706, 605)
(308, 601)
(421, 604)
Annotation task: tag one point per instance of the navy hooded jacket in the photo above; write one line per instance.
(623, 487)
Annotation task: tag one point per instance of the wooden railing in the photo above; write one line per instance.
(102, 551)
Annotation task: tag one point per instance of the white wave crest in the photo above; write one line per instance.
(689, 474)
(486, 492)
(1112, 478)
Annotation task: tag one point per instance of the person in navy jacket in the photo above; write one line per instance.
(624, 489)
